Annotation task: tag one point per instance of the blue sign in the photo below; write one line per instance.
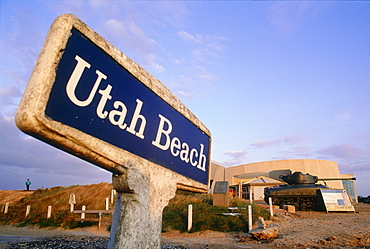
(95, 95)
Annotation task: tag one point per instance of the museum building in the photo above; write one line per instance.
(247, 181)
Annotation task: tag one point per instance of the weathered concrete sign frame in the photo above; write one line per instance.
(89, 99)
(69, 104)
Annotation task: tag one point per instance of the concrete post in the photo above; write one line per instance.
(240, 192)
(83, 214)
(142, 196)
(100, 216)
(249, 217)
(271, 208)
(71, 207)
(6, 208)
(250, 194)
(28, 209)
(190, 216)
(107, 203)
(49, 212)
(112, 196)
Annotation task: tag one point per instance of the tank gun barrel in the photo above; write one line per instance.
(338, 179)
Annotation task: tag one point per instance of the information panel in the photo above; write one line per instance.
(336, 200)
(221, 187)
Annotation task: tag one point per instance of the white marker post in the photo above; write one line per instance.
(6, 208)
(28, 209)
(190, 216)
(83, 214)
(107, 203)
(249, 217)
(112, 196)
(49, 212)
(89, 99)
(271, 207)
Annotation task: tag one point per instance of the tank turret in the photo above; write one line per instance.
(299, 178)
(301, 191)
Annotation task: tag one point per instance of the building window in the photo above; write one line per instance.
(348, 186)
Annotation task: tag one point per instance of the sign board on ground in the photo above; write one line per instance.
(336, 200)
(89, 99)
(221, 187)
(221, 194)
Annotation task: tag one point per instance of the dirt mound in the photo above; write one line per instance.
(13, 196)
(92, 196)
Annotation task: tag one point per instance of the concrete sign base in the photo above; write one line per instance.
(137, 221)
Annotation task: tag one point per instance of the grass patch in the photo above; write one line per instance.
(175, 215)
(206, 216)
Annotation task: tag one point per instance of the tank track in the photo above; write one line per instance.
(301, 202)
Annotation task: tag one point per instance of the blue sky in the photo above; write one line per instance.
(271, 80)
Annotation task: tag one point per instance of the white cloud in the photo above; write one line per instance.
(294, 139)
(296, 152)
(185, 95)
(202, 73)
(287, 140)
(189, 37)
(7, 95)
(287, 16)
(266, 143)
(344, 116)
(205, 50)
(128, 33)
(166, 13)
(237, 157)
(344, 151)
(216, 45)
(150, 60)
(351, 160)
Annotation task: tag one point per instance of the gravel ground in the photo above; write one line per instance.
(322, 230)
(299, 230)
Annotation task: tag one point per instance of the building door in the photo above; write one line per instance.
(258, 193)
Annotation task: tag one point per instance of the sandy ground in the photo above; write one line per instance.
(299, 230)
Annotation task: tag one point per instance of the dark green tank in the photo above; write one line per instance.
(301, 191)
